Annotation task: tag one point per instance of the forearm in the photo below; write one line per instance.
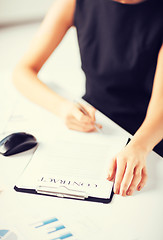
(27, 82)
(49, 35)
(151, 131)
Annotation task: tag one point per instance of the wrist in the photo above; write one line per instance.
(63, 107)
(140, 144)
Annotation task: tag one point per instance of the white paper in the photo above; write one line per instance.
(73, 164)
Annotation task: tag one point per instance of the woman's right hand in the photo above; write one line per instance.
(75, 119)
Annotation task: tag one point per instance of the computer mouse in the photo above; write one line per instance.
(16, 143)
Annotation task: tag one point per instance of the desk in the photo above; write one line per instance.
(138, 217)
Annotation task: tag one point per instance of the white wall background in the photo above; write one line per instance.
(14, 11)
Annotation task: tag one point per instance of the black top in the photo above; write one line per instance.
(119, 45)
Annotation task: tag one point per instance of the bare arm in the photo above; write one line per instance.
(151, 131)
(128, 168)
(55, 25)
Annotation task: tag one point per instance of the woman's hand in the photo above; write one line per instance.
(75, 119)
(128, 170)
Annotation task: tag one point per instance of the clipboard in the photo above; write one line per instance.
(70, 193)
(91, 199)
(54, 173)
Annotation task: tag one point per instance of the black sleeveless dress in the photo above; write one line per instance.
(119, 45)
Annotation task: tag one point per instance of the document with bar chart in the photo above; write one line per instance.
(48, 228)
(51, 229)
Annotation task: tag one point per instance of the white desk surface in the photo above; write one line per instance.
(138, 217)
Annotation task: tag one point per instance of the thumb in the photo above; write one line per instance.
(77, 113)
(91, 110)
(112, 169)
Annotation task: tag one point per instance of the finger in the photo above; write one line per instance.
(112, 169)
(143, 179)
(88, 115)
(119, 175)
(98, 125)
(80, 128)
(91, 111)
(79, 115)
(74, 124)
(135, 181)
(85, 126)
(126, 180)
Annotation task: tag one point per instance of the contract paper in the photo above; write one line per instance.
(79, 163)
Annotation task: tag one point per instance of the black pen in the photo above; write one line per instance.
(129, 139)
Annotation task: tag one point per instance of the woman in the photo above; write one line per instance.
(122, 56)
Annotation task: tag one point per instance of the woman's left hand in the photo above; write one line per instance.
(128, 170)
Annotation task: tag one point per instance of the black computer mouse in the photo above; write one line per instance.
(16, 143)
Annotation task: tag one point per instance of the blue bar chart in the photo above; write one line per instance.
(53, 229)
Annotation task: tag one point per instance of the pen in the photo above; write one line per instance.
(129, 139)
(82, 109)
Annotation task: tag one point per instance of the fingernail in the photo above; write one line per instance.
(129, 193)
(116, 191)
(139, 188)
(123, 193)
(108, 176)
